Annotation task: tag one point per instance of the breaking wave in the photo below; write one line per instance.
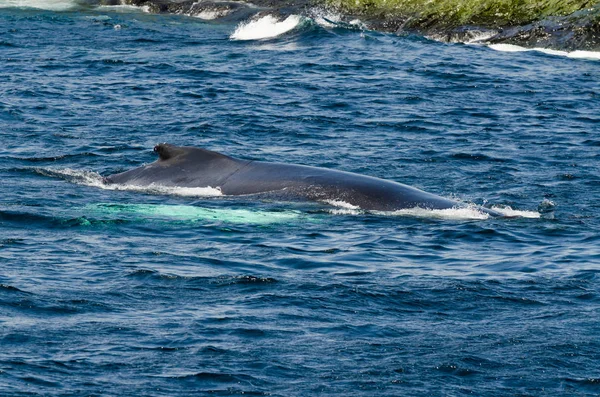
(50, 5)
(209, 15)
(572, 54)
(265, 27)
(127, 7)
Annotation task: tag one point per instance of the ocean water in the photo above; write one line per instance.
(133, 292)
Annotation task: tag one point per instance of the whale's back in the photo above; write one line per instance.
(323, 184)
(179, 166)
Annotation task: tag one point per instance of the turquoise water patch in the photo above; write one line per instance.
(194, 214)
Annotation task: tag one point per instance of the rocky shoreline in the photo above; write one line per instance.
(579, 30)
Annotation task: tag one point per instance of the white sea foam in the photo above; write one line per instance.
(478, 37)
(127, 7)
(207, 191)
(51, 5)
(463, 213)
(210, 14)
(585, 54)
(343, 208)
(326, 19)
(508, 211)
(470, 212)
(468, 37)
(265, 27)
(89, 178)
(466, 213)
(342, 204)
(573, 54)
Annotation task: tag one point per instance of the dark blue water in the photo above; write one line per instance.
(127, 292)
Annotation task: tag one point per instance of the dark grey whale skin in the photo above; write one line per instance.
(180, 166)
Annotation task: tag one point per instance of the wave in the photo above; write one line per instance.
(209, 11)
(209, 15)
(477, 37)
(325, 18)
(469, 36)
(328, 19)
(265, 27)
(572, 54)
(564, 26)
(66, 5)
(50, 5)
(269, 26)
(126, 7)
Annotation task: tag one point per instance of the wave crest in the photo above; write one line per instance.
(50, 5)
(572, 54)
(265, 27)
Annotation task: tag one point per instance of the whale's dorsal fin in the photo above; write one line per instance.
(166, 152)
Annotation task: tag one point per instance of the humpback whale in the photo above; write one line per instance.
(181, 166)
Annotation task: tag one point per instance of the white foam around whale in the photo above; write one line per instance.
(89, 178)
(343, 208)
(207, 191)
(51, 5)
(508, 211)
(265, 27)
(572, 54)
(465, 213)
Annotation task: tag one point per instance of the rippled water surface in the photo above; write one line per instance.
(175, 292)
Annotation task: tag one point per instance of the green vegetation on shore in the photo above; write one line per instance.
(424, 14)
